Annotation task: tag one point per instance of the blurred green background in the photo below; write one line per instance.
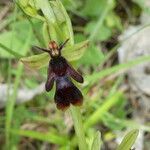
(29, 119)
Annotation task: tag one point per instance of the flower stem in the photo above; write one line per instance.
(78, 126)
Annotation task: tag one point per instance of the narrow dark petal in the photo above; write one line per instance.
(50, 79)
(74, 74)
(49, 84)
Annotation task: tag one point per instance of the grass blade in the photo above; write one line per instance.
(98, 114)
(121, 67)
(49, 137)
(15, 54)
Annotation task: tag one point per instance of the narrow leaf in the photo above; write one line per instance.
(17, 55)
(121, 67)
(98, 114)
(128, 140)
(49, 137)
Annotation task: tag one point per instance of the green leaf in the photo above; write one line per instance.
(30, 9)
(5, 40)
(96, 145)
(59, 14)
(93, 56)
(23, 2)
(58, 22)
(67, 27)
(45, 32)
(23, 26)
(128, 140)
(96, 7)
(71, 53)
(113, 20)
(10, 51)
(79, 37)
(47, 10)
(111, 123)
(11, 42)
(103, 33)
(125, 123)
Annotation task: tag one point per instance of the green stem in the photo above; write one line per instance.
(78, 126)
(8, 97)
